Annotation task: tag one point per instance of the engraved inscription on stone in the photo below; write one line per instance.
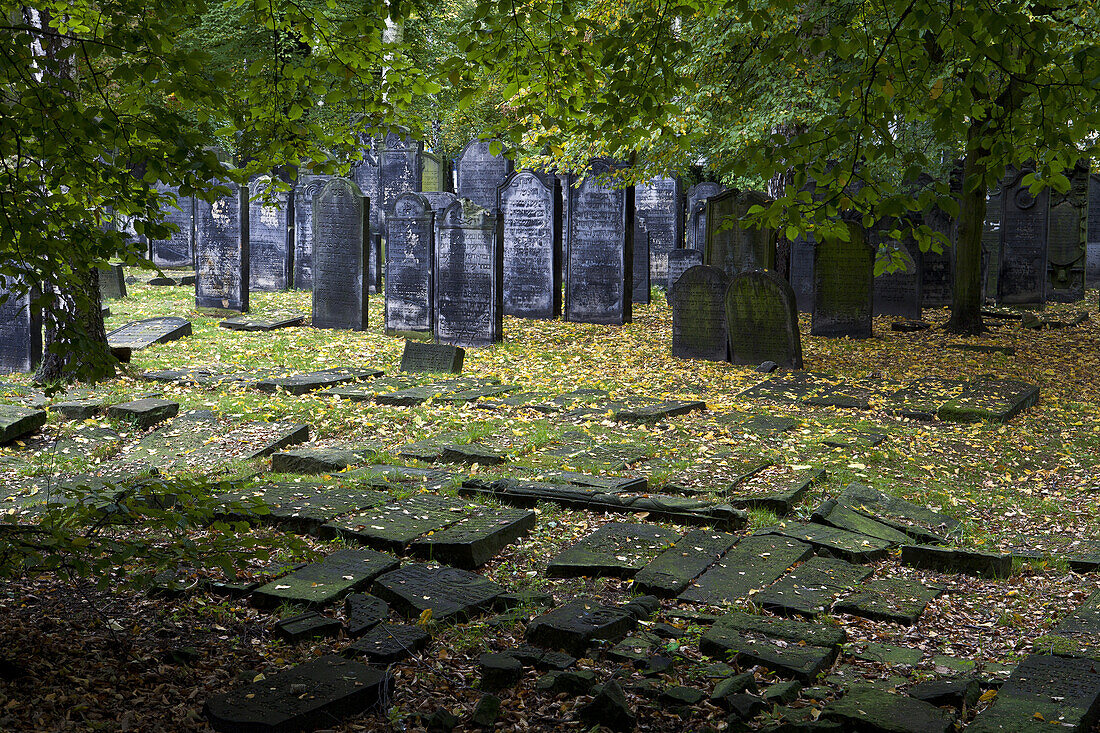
(991, 244)
(1023, 271)
(467, 277)
(897, 293)
(680, 261)
(1092, 267)
(731, 246)
(658, 211)
(305, 192)
(696, 226)
(340, 216)
(531, 243)
(431, 172)
(480, 174)
(269, 253)
(367, 175)
(221, 252)
(176, 251)
(1067, 239)
(641, 267)
(20, 333)
(400, 170)
(762, 320)
(843, 286)
(699, 315)
(410, 247)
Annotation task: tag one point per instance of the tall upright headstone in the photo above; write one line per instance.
(679, 262)
(843, 286)
(729, 245)
(696, 226)
(762, 320)
(268, 237)
(802, 272)
(305, 192)
(439, 201)
(480, 174)
(698, 301)
(410, 248)
(178, 250)
(1067, 238)
(399, 170)
(431, 173)
(221, 252)
(600, 247)
(1023, 272)
(367, 174)
(938, 268)
(376, 261)
(341, 227)
(991, 243)
(659, 212)
(1092, 268)
(531, 239)
(467, 283)
(640, 277)
(897, 293)
(20, 331)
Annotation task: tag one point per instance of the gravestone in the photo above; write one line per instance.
(600, 247)
(467, 280)
(991, 243)
(376, 256)
(340, 225)
(1092, 267)
(679, 262)
(327, 580)
(802, 272)
(367, 175)
(112, 282)
(221, 252)
(731, 247)
(431, 173)
(1041, 690)
(410, 249)
(897, 293)
(306, 191)
(422, 357)
(143, 334)
(399, 170)
(178, 250)
(447, 592)
(439, 201)
(268, 238)
(843, 286)
(696, 227)
(938, 268)
(476, 538)
(699, 315)
(531, 240)
(669, 573)
(754, 563)
(616, 549)
(762, 320)
(640, 293)
(1067, 238)
(480, 174)
(1024, 218)
(20, 332)
(659, 212)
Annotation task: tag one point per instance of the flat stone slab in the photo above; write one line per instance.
(922, 399)
(854, 440)
(144, 413)
(308, 696)
(326, 581)
(845, 395)
(609, 484)
(766, 426)
(895, 600)
(250, 323)
(810, 588)
(414, 589)
(302, 507)
(804, 650)
(783, 494)
(868, 709)
(955, 560)
(791, 387)
(394, 526)
(619, 550)
(669, 573)
(303, 383)
(995, 400)
(476, 538)
(143, 334)
(1077, 635)
(919, 522)
(834, 514)
(857, 548)
(1044, 690)
(17, 422)
(79, 409)
(423, 357)
(206, 377)
(305, 626)
(315, 460)
(753, 564)
(389, 643)
(594, 455)
(576, 625)
(364, 612)
(650, 414)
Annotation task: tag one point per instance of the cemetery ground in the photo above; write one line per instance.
(1018, 499)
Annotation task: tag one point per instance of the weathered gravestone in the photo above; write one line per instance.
(112, 282)
(421, 357)
(762, 320)
(640, 285)
(467, 280)
(1024, 217)
(698, 304)
(143, 334)
(1043, 689)
(307, 189)
(367, 175)
(679, 262)
(531, 240)
(431, 173)
(447, 592)
(599, 249)
(1067, 239)
(897, 293)
(221, 253)
(410, 248)
(659, 212)
(340, 225)
(696, 226)
(20, 332)
(439, 201)
(399, 170)
(480, 174)
(268, 237)
(843, 286)
(991, 243)
(802, 272)
(1092, 268)
(178, 249)
(938, 268)
(731, 247)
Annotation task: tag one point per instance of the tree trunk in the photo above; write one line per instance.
(966, 299)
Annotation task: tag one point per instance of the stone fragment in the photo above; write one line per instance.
(499, 671)
(476, 538)
(364, 612)
(649, 414)
(919, 522)
(669, 573)
(1042, 691)
(994, 400)
(395, 525)
(961, 693)
(299, 384)
(810, 588)
(17, 422)
(782, 495)
(805, 649)
(896, 600)
(144, 413)
(618, 550)
(608, 708)
(782, 693)
(414, 589)
(389, 643)
(486, 712)
(143, 334)
(868, 709)
(954, 560)
(249, 323)
(424, 357)
(306, 625)
(315, 460)
(679, 695)
(734, 685)
(856, 548)
(841, 517)
(753, 564)
(574, 626)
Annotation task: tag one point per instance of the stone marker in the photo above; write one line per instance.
(898, 293)
(991, 242)
(467, 280)
(476, 538)
(432, 171)
(421, 357)
(698, 304)
(1024, 230)
(920, 523)
(756, 562)
(1092, 266)
(410, 249)
(996, 400)
(696, 226)
(326, 581)
(894, 600)
(337, 688)
(618, 550)
(650, 414)
(669, 573)
(301, 507)
(836, 515)
(1043, 689)
(762, 320)
(659, 212)
(856, 548)
(16, 422)
(954, 560)
(255, 323)
(867, 708)
(112, 282)
(679, 262)
(20, 333)
(221, 252)
(144, 413)
(395, 525)
(843, 286)
(531, 239)
(640, 276)
(576, 625)
(447, 592)
(734, 248)
(312, 381)
(364, 612)
(399, 171)
(178, 250)
(306, 626)
(367, 174)
(1067, 240)
(389, 643)
(781, 495)
(599, 248)
(340, 230)
(306, 191)
(802, 272)
(809, 589)
(794, 648)
(143, 334)
(268, 237)
(480, 174)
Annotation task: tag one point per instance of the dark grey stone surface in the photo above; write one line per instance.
(1092, 265)
(869, 709)
(640, 277)
(810, 588)
(16, 422)
(659, 212)
(897, 293)
(399, 171)
(1067, 239)
(410, 250)
(802, 272)
(340, 230)
(669, 573)
(421, 357)
(756, 562)
(698, 304)
(734, 248)
(112, 282)
(307, 189)
(143, 334)
(447, 592)
(221, 252)
(762, 320)
(531, 240)
(480, 174)
(144, 413)
(1024, 231)
(389, 643)
(249, 323)
(269, 240)
(20, 333)
(843, 286)
(617, 549)
(476, 538)
(679, 262)
(178, 249)
(695, 227)
(894, 600)
(1053, 688)
(326, 581)
(574, 626)
(468, 293)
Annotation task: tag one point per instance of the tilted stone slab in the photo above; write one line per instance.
(305, 697)
(144, 413)
(655, 413)
(753, 564)
(846, 395)
(782, 494)
(279, 436)
(1042, 690)
(866, 708)
(995, 400)
(250, 323)
(389, 643)
(805, 649)
(206, 377)
(414, 589)
(955, 560)
(475, 394)
(857, 548)
(364, 612)
(810, 588)
(922, 399)
(143, 334)
(610, 484)
(303, 383)
(576, 625)
(394, 526)
(920, 523)
(315, 460)
(326, 581)
(841, 517)
(17, 422)
(895, 600)
(303, 507)
(476, 538)
(619, 550)
(600, 456)
(423, 357)
(669, 573)
(854, 440)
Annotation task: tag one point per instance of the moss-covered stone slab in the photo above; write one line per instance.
(1078, 634)
(431, 479)
(418, 356)
(575, 626)
(415, 588)
(300, 507)
(1043, 690)
(869, 709)
(298, 384)
(650, 414)
(326, 581)
(765, 426)
(79, 409)
(853, 440)
(923, 398)
(17, 422)
(252, 323)
(605, 483)
(306, 626)
(311, 461)
(956, 560)
(476, 393)
(994, 400)
(833, 514)
(753, 564)
(857, 548)
(589, 454)
(279, 435)
(476, 538)
(394, 526)
(308, 696)
(790, 387)
(669, 573)
(389, 643)
(846, 396)
(810, 588)
(895, 600)
(470, 454)
(919, 522)
(889, 654)
(796, 648)
(364, 612)
(368, 391)
(618, 550)
(782, 494)
(144, 413)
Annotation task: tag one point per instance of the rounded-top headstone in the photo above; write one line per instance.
(762, 320)
(531, 240)
(699, 314)
(340, 256)
(411, 205)
(480, 173)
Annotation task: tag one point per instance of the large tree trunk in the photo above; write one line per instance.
(966, 300)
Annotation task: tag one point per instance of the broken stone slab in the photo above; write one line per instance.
(418, 356)
(300, 507)
(252, 323)
(326, 581)
(446, 592)
(476, 538)
(608, 708)
(993, 400)
(810, 588)
(306, 626)
(835, 515)
(895, 600)
(1077, 635)
(369, 391)
(804, 649)
(919, 522)
(304, 697)
(955, 560)
(618, 549)
(1043, 690)
(317, 460)
(282, 434)
(423, 478)
(206, 377)
(669, 573)
(866, 708)
(364, 612)
(753, 564)
(389, 643)
(856, 548)
(299, 384)
(781, 495)
(143, 334)
(576, 625)
(144, 413)
(17, 422)
(846, 396)
(499, 671)
(957, 693)
(650, 414)
(394, 526)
